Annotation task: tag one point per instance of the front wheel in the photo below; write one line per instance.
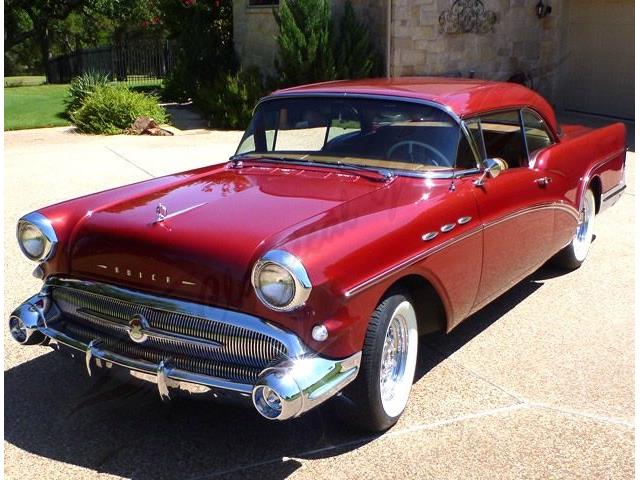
(381, 391)
(574, 254)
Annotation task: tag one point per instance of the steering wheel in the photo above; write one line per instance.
(441, 161)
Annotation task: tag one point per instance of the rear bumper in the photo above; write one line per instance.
(611, 197)
(291, 387)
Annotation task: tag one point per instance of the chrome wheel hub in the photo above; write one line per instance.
(394, 356)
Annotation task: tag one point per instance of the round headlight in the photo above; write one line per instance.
(280, 281)
(275, 284)
(32, 241)
(36, 237)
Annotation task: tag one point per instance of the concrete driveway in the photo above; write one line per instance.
(537, 385)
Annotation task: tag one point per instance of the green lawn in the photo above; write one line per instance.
(34, 107)
(38, 106)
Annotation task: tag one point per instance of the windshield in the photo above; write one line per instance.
(383, 133)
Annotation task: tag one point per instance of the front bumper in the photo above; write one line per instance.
(294, 384)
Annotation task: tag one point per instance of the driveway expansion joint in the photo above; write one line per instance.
(583, 415)
(131, 162)
(538, 405)
(391, 434)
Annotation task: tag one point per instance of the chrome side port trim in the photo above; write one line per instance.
(429, 236)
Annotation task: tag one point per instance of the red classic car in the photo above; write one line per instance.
(353, 217)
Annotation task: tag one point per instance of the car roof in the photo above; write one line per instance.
(463, 96)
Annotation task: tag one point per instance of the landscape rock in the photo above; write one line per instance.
(147, 126)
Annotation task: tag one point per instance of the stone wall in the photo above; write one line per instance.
(254, 35)
(520, 41)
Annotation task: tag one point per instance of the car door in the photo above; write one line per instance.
(516, 207)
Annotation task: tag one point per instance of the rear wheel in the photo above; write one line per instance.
(574, 254)
(381, 391)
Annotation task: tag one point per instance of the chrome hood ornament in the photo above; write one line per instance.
(161, 212)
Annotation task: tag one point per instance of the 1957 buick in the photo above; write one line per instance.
(353, 217)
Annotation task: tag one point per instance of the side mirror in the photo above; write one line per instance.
(492, 168)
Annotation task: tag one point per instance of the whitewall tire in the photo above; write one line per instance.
(381, 391)
(574, 254)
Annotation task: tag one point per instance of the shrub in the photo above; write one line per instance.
(176, 86)
(83, 86)
(229, 101)
(112, 109)
(356, 55)
(304, 42)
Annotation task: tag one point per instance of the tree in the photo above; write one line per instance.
(203, 32)
(304, 42)
(62, 26)
(25, 20)
(356, 55)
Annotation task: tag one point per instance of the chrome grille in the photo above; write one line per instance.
(235, 373)
(241, 355)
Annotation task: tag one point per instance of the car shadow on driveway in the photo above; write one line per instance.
(437, 347)
(53, 410)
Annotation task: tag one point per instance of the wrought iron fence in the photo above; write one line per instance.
(131, 62)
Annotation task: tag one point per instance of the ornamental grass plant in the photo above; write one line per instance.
(112, 109)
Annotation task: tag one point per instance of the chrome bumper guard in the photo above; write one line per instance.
(290, 388)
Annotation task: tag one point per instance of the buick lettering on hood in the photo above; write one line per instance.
(354, 217)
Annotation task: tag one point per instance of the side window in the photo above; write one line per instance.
(301, 129)
(502, 135)
(535, 131)
(345, 123)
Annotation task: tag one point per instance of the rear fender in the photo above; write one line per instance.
(584, 155)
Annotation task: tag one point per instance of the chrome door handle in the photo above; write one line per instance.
(543, 181)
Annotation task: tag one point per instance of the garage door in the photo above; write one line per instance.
(597, 69)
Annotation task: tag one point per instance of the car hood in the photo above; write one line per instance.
(217, 224)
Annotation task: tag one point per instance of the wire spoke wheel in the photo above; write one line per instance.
(398, 359)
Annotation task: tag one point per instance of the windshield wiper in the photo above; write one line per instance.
(382, 174)
(257, 156)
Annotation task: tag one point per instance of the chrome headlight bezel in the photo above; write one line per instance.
(294, 267)
(43, 225)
